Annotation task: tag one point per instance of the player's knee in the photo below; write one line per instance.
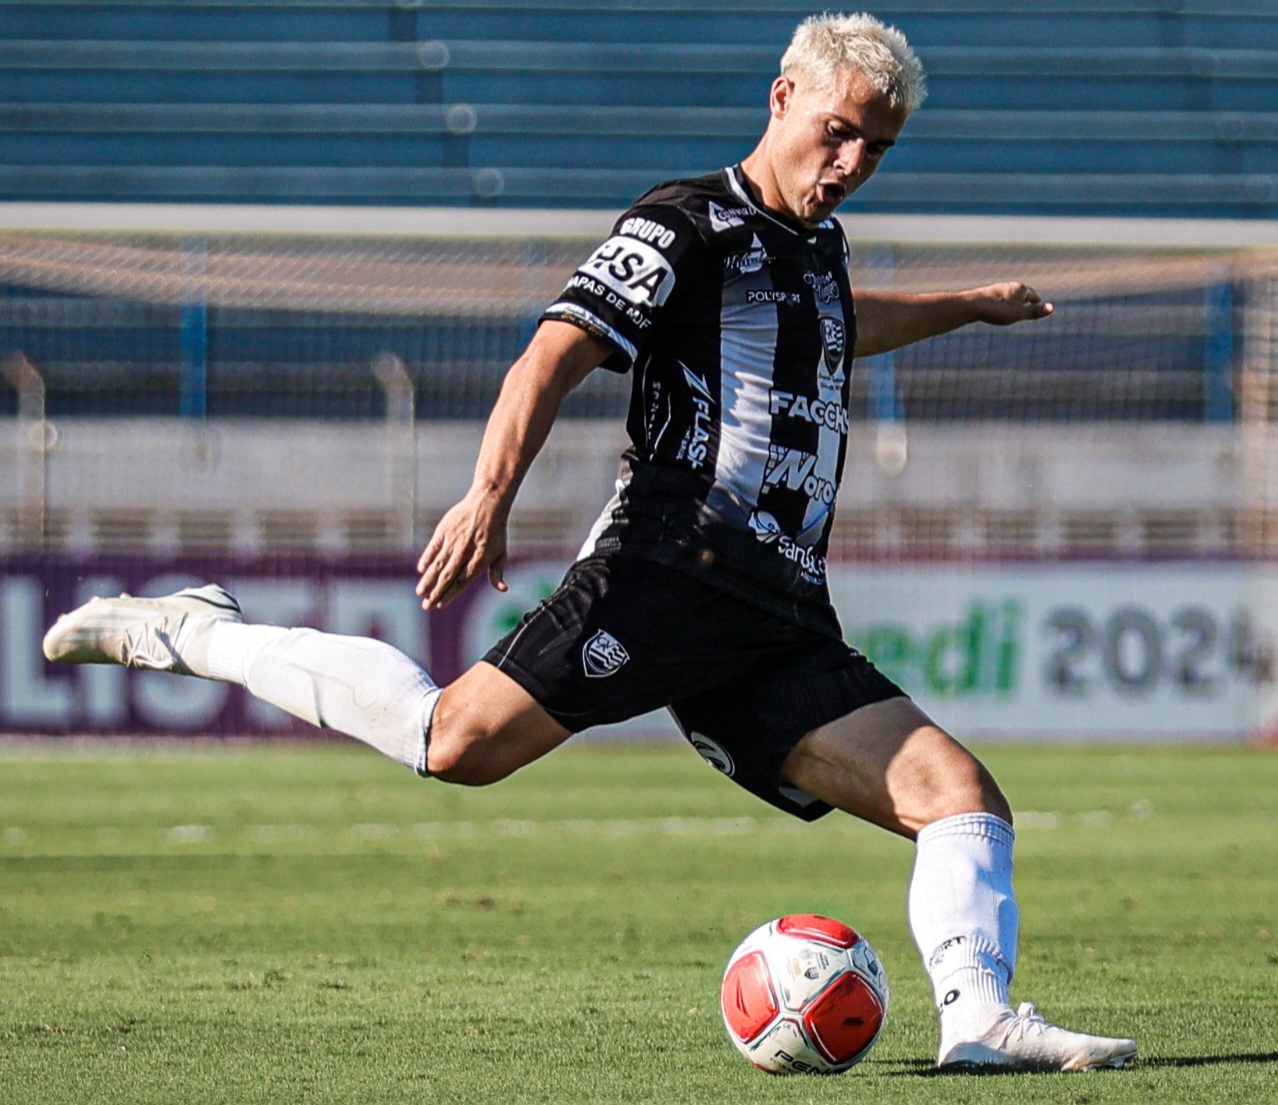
(462, 753)
(956, 782)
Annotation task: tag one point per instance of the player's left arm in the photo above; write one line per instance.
(889, 320)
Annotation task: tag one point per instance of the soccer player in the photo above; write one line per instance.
(702, 587)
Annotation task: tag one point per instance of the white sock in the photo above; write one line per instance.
(964, 918)
(364, 688)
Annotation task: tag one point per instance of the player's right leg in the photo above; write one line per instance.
(476, 731)
(135, 632)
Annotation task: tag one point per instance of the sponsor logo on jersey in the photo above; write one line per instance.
(823, 285)
(592, 287)
(810, 565)
(713, 753)
(697, 383)
(648, 230)
(587, 284)
(695, 447)
(834, 342)
(603, 655)
(768, 530)
(632, 269)
(771, 295)
(819, 412)
(793, 469)
(725, 218)
(748, 261)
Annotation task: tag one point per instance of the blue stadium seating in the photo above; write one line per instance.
(1117, 107)
(1147, 107)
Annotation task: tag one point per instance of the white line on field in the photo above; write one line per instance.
(606, 827)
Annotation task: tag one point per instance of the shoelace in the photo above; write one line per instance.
(142, 648)
(1027, 1022)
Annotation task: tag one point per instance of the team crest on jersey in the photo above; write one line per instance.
(603, 655)
(834, 341)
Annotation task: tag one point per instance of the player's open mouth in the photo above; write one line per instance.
(829, 192)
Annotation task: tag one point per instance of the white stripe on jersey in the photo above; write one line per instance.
(830, 382)
(746, 357)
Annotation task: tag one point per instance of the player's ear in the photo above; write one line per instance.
(780, 96)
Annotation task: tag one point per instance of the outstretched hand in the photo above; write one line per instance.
(887, 320)
(469, 539)
(1008, 302)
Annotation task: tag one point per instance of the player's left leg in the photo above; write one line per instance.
(889, 764)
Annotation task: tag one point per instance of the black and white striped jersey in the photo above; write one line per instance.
(738, 326)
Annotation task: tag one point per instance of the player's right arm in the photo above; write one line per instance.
(471, 537)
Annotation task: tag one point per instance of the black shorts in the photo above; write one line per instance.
(621, 637)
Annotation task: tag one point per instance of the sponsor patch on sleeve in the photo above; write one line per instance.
(634, 270)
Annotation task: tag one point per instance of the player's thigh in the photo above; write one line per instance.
(487, 726)
(616, 639)
(747, 726)
(889, 764)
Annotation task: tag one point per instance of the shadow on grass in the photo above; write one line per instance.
(922, 1068)
(1208, 1060)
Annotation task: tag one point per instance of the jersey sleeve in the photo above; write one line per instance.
(618, 293)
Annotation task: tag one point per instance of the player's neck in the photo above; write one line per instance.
(761, 184)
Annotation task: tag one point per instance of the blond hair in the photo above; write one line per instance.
(825, 44)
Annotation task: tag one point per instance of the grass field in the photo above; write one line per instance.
(312, 924)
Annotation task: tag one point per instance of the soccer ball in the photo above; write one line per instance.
(804, 994)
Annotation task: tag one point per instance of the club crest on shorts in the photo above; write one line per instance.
(603, 655)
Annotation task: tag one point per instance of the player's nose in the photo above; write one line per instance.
(851, 157)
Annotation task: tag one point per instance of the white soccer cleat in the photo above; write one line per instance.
(1023, 1040)
(138, 633)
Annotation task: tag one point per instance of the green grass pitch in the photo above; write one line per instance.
(246, 924)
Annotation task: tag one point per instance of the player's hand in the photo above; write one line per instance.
(469, 539)
(1006, 303)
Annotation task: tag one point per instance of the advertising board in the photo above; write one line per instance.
(1082, 651)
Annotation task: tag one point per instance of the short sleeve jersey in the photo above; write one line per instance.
(737, 325)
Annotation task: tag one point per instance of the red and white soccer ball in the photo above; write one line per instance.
(804, 994)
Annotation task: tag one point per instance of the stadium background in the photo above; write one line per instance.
(262, 266)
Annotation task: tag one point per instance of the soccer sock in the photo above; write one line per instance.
(964, 917)
(364, 688)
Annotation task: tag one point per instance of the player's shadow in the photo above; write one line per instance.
(922, 1068)
(1208, 1060)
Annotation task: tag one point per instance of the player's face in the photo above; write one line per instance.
(826, 143)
